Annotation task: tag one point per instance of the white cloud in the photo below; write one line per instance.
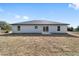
(25, 17)
(17, 16)
(1, 10)
(74, 5)
(21, 17)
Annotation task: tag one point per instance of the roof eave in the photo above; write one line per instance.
(39, 24)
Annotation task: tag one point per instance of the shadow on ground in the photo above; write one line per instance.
(32, 34)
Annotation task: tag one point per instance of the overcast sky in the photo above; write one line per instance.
(60, 12)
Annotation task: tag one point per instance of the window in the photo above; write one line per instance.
(36, 27)
(45, 29)
(58, 28)
(18, 28)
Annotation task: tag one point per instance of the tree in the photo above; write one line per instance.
(77, 29)
(70, 29)
(5, 26)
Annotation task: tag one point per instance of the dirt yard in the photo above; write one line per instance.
(39, 45)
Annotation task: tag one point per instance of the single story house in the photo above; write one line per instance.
(39, 26)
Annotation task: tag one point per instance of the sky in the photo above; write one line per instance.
(59, 12)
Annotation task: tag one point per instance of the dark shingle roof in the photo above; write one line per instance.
(39, 22)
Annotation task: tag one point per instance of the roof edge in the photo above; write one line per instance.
(39, 24)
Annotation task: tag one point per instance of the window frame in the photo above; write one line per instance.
(18, 27)
(58, 28)
(36, 27)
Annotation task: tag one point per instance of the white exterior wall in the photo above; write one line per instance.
(53, 29)
(26, 29)
(31, 28)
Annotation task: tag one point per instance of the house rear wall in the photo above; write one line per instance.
(31, 28)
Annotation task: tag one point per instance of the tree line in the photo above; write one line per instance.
(73, 29)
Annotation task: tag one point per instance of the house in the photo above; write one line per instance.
(39, 26)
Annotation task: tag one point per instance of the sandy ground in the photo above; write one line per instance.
(39, 45)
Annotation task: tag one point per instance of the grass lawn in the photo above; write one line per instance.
(39, 45)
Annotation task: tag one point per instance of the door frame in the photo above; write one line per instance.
(45, 30)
